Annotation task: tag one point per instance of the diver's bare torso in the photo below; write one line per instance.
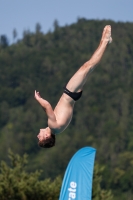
(63, 113)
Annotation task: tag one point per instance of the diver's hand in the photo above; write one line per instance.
(44, 103)
(37, 95)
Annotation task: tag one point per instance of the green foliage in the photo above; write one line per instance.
(98, 192)
(3, 41)
(17, 184)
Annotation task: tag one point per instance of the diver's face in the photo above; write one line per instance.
(44, 134)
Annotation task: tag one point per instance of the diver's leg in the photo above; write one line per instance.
(77, 81)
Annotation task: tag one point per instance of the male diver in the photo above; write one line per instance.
(60, 117)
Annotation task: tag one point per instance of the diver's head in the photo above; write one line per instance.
(46, 138)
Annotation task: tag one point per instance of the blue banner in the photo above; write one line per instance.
(77, 182)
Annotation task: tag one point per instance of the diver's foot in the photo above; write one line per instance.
(106, 35)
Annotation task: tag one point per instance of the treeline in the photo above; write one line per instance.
(102, 117)
(17, 184)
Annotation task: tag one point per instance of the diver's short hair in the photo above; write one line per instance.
(48, 143)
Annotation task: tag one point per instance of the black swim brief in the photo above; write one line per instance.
(74, 95)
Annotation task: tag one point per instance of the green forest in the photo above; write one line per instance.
(102, 117)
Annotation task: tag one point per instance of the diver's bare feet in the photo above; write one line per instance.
(106, 36)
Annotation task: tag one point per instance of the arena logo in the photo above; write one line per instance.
(72, 191)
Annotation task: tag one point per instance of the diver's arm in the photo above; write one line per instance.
(46, 106)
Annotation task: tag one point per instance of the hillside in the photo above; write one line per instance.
(102, 117)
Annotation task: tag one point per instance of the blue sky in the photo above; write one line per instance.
(24, 14)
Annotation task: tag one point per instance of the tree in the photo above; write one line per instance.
(4, 41)
(14, 34)
(38, 28)
(98, 192)
(26, 37)
(17, 184)
(56, 24)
